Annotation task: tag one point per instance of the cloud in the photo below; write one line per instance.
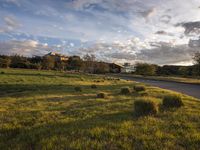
(25, 48)
(167, 53)
(15, 2)
(148, 13)
(165, 18)
(191, 28)
(194, 43)
(10, 24)
(162, 32)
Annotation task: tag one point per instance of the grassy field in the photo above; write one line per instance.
(168, 78)
(41, 110)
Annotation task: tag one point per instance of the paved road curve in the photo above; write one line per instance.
(189, 89)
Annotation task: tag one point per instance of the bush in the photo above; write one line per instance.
(145, 106)
(78, 89)
(172, 101)
(101, 95)
(139, 88)
(93, 86)
(125, 90)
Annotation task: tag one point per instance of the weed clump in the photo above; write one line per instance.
(101, 95)
(145, 106)
(93, 86)
(172, 101)
(125, 90)
(139, 88)
(78, 89)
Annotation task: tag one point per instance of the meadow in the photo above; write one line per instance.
(41, 110)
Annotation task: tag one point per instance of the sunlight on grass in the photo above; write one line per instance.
(41, 110)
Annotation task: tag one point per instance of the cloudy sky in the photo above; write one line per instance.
(153, 31)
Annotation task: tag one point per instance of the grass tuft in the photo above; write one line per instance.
(93, 86)
(125, 90)
(101, 95)
(145, 106)
(139, 88)
(78, 89)
(172, 101)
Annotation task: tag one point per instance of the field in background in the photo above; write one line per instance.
(41, 110)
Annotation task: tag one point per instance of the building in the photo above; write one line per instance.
(115, 68)
(58, 57)
(128, 68)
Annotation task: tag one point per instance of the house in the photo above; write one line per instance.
(115, 68)
(128, 68)
(58, 57)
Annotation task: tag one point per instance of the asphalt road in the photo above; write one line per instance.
(185, 88)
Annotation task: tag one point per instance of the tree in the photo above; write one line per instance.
(101, 67)
(197, 58)
(19, 62)
(5, 62)
(89, 63)
(145, 69)
(196, 67)
(48, 62)
(75, 63)
(88, 57)
(60, 65)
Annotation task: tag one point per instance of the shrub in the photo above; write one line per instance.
(93, 86)
(139, 88)
(78, 89)
(145, 106)
(172, 101)
(125, 90)
(101, 95)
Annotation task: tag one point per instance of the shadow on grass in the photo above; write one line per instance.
(30, 138)
(21, 90)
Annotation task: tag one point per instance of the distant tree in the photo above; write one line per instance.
(75, 63)
(89, 63)
(48, 62)
(101, 67)
(196, 67)
(5, 62)
(197, 58)
(60, 65)
(19, 62)
(145, 69)
(88, 57)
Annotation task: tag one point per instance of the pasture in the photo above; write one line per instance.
(42, 110)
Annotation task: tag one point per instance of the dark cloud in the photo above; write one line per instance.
(194, 43)
(165, 53)
(191, 28)
(162, 32)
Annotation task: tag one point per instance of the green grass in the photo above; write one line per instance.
(41, 110)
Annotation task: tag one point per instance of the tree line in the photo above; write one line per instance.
(86, 64)
(169, 70)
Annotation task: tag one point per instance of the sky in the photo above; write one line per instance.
(153, 31)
